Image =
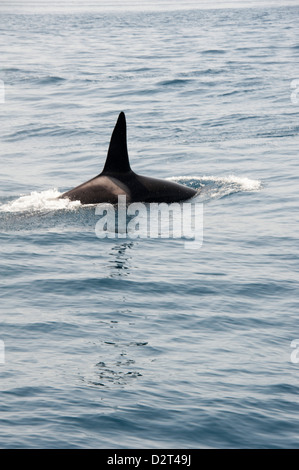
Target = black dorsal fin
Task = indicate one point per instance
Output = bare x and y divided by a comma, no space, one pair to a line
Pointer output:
117,160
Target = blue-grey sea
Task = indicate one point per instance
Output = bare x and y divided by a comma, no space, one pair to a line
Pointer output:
142,343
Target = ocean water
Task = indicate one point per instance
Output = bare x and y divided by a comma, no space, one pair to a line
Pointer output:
142,343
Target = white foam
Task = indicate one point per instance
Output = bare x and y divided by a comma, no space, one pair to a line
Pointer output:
40,202
243,183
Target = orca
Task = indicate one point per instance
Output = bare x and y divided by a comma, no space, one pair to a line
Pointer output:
118,179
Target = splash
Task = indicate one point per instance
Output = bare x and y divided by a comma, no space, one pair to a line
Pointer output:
215,187
236,182
43,201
